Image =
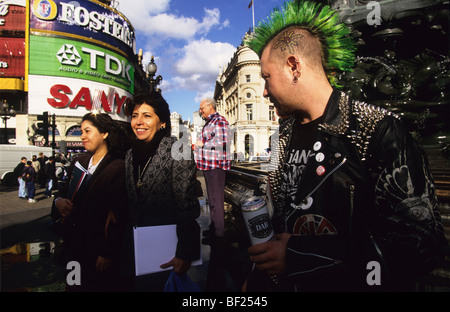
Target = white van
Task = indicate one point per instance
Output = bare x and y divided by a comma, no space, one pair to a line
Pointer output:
10,156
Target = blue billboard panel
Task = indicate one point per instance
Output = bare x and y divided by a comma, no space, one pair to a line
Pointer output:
85,20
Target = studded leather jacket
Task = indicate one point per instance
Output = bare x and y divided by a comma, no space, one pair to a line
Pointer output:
368,216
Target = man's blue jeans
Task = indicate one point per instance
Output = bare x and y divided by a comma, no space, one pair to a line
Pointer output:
22,188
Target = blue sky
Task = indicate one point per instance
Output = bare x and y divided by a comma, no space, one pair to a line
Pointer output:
191,40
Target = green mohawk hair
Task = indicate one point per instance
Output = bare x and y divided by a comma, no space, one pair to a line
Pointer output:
322,21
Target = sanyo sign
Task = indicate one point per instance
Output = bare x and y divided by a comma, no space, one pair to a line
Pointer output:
74,97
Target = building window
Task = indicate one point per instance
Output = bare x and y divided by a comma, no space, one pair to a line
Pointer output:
271,113
247,77
74,131
50,131
249,145
249,95
249,112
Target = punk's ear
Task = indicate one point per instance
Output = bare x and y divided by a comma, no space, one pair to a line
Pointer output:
295,68
294,63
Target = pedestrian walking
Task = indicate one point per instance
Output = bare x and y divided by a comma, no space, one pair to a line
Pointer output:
29,177
50,176
37,167
42,179
18,173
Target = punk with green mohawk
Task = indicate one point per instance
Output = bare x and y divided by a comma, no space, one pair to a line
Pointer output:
322,21
348,185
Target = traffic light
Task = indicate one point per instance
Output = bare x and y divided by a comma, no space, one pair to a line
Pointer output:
42,127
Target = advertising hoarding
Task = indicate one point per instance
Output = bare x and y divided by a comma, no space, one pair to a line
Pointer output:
12,57
12,15
51,56
79,58
75,97
86,20
12,38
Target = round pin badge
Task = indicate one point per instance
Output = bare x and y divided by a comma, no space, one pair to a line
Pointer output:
320,170
320,157
317,146
306,204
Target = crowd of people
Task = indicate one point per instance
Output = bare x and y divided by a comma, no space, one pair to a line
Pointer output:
40,172
364,193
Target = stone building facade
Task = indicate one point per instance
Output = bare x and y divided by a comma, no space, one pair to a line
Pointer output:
239,94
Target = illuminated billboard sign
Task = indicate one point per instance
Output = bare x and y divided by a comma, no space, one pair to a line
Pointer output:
86,20
12,15
12,57
51,56
75,97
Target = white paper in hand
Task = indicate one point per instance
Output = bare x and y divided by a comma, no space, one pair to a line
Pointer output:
153,246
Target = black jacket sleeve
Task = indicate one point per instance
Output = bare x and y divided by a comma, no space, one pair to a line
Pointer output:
188,230
406,226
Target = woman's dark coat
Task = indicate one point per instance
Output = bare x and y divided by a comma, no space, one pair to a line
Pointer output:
87,233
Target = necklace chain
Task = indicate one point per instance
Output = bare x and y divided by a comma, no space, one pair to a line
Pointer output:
140,174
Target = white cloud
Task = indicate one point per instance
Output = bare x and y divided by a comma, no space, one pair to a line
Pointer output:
211,19
199,66
169,25
139,11
190,62
181,27
225,24
204,94
152,18
204,56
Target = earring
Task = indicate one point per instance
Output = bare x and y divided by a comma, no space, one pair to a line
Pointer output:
297,75
162,128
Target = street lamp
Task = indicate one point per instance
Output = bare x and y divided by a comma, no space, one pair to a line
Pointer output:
151,70
7,112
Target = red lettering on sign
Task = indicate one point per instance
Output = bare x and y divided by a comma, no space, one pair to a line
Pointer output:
59,92
83,98
120,101
105,103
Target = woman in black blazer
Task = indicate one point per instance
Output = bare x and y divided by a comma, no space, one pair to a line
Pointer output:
92,221
161,185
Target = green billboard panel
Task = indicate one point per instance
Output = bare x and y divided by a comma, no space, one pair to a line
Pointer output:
50,56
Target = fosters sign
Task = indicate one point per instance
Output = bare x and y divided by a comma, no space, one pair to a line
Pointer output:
89,19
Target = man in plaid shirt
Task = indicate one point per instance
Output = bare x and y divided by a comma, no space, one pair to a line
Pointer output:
213,158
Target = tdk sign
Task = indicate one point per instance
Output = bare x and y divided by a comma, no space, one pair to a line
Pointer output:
69,55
